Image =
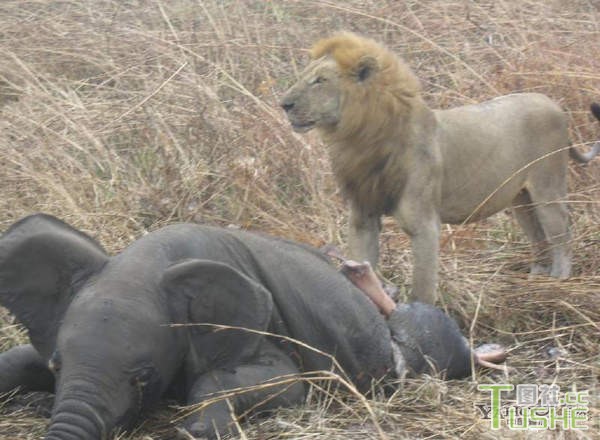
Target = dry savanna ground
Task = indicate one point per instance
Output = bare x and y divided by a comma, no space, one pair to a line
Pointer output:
121,116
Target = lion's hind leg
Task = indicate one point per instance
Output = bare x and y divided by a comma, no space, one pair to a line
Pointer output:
548,197
524,212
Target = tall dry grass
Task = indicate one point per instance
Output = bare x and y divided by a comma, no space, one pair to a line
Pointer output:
120,116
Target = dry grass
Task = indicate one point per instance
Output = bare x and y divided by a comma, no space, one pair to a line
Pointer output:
122,116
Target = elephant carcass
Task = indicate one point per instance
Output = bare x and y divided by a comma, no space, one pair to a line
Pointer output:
102,325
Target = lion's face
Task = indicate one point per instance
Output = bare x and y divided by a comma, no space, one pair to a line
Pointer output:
315,100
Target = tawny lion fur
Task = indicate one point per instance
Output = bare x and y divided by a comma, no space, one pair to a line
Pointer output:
392,155
369,175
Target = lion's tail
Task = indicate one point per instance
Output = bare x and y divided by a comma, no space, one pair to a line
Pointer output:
586,157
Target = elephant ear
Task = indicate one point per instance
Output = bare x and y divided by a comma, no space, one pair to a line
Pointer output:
43,261
209,292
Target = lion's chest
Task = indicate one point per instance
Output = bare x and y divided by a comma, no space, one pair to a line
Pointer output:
369,183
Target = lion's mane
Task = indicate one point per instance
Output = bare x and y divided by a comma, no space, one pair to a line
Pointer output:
379,93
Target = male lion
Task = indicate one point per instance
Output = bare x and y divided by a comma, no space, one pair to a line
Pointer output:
393,155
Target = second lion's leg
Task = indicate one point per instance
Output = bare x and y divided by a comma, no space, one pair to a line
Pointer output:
526,216
555,221
418,215
363,236
421,222
548,196
425,253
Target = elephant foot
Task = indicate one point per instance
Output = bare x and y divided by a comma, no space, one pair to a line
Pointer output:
363,276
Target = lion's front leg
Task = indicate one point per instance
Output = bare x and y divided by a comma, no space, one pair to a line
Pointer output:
363,236
419,218
425,253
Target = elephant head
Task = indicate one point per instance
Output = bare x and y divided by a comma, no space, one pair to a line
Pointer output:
43,262
102,323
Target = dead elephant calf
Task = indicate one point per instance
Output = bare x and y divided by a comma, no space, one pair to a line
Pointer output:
100,333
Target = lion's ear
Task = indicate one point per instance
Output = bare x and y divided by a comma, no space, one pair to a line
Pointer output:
365,67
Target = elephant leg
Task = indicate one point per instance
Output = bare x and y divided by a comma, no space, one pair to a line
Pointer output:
22,366
269,365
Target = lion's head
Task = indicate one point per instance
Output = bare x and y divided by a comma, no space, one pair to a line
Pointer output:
353,85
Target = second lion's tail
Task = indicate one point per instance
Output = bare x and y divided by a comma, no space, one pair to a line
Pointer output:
586,157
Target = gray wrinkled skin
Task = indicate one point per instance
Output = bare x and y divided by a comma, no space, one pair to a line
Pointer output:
427,340
100,334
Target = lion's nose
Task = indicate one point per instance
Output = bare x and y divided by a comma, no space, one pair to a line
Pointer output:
287,105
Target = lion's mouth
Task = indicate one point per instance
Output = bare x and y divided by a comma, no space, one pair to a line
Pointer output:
302,127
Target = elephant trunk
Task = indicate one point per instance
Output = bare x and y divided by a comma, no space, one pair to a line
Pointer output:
74,419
